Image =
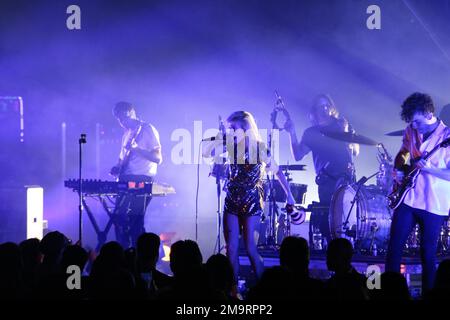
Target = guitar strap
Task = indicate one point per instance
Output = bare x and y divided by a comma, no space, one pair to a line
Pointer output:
126,159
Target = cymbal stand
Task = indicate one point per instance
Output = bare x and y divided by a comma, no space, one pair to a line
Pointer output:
272,215
273,207
356,199
287,220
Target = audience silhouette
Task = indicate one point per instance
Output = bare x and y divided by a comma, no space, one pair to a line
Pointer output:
441,289
41,270
346,283
294,256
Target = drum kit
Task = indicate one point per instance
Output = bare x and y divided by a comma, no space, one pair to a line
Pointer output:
276,223
357,211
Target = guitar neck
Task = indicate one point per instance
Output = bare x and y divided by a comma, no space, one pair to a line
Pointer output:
427,156
126,157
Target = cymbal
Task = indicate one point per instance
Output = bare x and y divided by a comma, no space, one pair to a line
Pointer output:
350,137
398,133
292,167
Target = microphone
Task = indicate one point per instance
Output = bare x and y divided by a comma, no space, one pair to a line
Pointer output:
221,126
362,180
82,138
219,137
221,133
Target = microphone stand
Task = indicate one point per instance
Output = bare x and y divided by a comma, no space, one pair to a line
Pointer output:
271,231
81,141
219,214
219,170
354,201
273,208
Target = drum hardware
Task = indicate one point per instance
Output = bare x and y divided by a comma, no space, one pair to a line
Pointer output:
317,242
413,243
384,176
277,219
274,192
383,154
374,229
272,215
298,191
398,133
444,239
356,200
351,233
368,223
271,236
349,137
318,233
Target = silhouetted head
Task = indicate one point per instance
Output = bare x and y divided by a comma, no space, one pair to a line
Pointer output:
220,272
74,255
393,287
443,275
31,253
53,245
109,278
148,248
294,254
112,255
339,255
185,255
275,284
10,257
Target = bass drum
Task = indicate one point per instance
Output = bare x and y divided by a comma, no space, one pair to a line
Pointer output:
369,220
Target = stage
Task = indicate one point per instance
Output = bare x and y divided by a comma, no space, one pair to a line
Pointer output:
411,267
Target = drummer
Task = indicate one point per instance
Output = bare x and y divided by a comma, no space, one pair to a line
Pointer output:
333,159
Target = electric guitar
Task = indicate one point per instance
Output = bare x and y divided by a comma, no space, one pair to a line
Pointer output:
126,157
396,197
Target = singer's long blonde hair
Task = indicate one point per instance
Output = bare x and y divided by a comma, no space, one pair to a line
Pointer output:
246,122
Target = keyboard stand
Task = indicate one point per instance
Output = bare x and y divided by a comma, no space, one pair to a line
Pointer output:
102,235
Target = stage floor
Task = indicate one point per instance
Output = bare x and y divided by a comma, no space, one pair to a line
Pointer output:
411,267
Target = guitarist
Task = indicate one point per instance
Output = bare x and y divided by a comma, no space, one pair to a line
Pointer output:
139,158
428,203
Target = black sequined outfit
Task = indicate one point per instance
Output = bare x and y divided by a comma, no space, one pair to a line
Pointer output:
245,192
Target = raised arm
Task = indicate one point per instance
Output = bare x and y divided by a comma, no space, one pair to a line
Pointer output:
299,149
